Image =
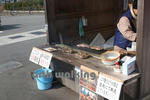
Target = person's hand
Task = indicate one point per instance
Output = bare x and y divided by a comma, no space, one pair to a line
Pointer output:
123,52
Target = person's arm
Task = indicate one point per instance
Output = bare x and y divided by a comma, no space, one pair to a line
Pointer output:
126,29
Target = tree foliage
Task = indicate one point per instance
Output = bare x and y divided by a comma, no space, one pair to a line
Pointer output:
25,5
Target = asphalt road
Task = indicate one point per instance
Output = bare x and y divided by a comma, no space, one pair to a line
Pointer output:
15,45
19,24
16,41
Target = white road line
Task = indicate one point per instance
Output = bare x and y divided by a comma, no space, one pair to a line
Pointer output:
5,40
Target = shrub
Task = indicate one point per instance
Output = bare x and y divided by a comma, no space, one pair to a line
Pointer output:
25,5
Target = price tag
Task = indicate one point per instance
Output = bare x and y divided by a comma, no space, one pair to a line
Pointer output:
45,59
108,87
35,55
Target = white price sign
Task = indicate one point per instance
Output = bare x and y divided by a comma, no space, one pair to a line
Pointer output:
108,87
40,57
45,59
35,55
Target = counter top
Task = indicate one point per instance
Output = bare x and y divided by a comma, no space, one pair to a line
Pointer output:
92,63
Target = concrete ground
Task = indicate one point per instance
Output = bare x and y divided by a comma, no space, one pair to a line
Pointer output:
16,83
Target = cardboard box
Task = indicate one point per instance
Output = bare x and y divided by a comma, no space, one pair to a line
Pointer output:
128,66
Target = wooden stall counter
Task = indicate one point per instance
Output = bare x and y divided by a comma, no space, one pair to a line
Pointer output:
92,62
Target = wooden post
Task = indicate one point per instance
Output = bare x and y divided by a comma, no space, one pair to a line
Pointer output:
46,23
52,34
143,47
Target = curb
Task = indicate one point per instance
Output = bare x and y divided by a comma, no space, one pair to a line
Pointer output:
9,13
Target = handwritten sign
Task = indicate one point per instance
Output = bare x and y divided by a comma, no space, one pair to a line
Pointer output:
45,59
40,57
35,55
108,87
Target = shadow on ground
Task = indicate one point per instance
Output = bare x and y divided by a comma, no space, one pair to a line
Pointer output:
10,27
56,85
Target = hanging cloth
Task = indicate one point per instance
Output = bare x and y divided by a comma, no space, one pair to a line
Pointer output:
81,28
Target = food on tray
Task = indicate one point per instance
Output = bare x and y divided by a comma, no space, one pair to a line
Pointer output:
83,45
96,48
67,50
91,47
83,55
50,49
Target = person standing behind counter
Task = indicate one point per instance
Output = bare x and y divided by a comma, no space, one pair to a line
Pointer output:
126,30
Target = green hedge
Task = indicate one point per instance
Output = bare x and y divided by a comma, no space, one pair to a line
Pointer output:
26,5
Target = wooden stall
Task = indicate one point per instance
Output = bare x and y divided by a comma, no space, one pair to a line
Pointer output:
63,18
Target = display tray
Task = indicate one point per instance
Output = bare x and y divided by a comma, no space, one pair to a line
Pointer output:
91,62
